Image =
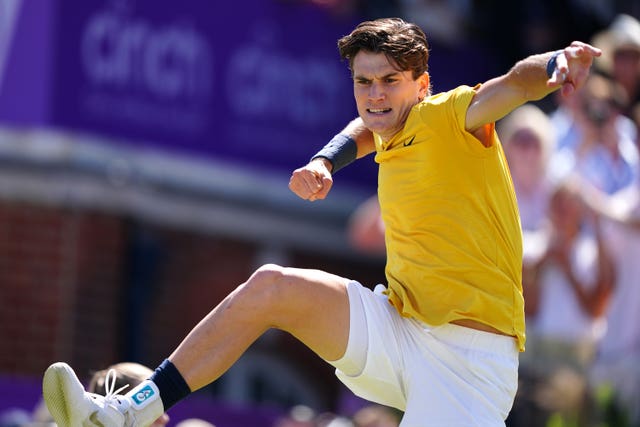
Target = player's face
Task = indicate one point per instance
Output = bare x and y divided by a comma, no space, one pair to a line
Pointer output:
384,96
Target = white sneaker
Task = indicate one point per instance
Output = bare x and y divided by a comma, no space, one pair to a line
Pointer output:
71,406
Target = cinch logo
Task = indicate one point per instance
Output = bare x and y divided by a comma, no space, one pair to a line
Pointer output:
254,70
127,52
141,396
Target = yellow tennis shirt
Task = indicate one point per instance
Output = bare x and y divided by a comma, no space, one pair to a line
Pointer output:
453,236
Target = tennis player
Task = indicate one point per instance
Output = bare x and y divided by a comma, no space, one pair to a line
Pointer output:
440,341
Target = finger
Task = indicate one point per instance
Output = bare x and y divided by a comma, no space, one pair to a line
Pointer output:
296,183
321,192
327,183
313,180
311,189
586,48
557,78
568,89
573,52
294,186
318,186
562,63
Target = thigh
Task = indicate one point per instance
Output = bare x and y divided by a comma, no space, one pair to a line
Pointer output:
372,368
313,306
310,304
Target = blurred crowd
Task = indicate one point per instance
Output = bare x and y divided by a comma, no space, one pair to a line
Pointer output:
576,176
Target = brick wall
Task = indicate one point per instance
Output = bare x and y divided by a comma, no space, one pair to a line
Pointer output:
66,285
60,278
93,289
196,274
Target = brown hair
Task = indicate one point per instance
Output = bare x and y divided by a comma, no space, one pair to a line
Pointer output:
127,373
404,44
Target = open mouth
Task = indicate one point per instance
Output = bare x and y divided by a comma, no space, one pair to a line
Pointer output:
378,110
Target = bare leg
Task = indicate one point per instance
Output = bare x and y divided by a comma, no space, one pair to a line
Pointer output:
310,304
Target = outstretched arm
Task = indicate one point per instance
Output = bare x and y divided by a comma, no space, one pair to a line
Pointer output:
314,180
594,299
605,206
531,79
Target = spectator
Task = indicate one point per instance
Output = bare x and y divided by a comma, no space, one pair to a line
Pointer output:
366,229
574,283
376,416
567,302
40,417
620,44
598,144
14,417
194,422
448,21
528,140
635,116
298,416
619,351
124,375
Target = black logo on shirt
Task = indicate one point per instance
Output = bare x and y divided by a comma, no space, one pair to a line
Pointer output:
408,143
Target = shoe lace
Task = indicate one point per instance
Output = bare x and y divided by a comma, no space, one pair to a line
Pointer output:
110,384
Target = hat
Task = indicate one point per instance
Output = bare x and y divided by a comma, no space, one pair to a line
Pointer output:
622,34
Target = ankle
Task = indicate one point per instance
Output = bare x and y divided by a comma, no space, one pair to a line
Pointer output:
170,384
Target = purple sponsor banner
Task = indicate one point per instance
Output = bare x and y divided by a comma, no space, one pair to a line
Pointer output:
26,30
256,82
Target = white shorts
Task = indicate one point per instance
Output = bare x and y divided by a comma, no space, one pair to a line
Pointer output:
448,376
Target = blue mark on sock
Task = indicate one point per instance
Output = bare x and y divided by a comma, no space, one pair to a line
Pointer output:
143,395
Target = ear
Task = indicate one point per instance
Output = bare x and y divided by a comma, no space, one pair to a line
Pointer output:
425,85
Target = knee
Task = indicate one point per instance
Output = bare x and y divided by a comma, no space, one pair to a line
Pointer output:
267,273
264,282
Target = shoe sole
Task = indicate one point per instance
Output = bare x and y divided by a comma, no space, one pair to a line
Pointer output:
64,395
